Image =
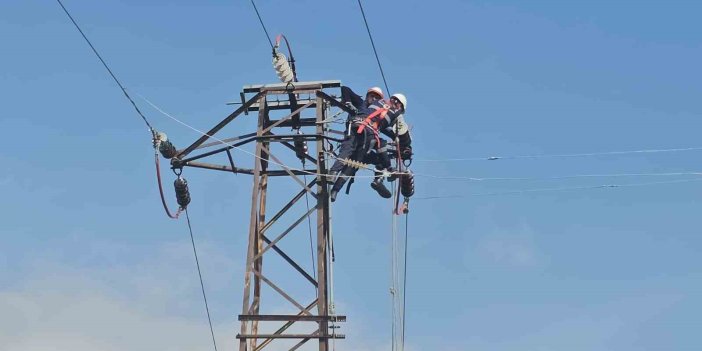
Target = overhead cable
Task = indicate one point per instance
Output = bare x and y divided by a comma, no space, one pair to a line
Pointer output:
151,129
262,25
467,178
513,192
199,273
608,153
612,175
387,89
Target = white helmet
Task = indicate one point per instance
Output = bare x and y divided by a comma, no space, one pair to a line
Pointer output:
376,90
402,99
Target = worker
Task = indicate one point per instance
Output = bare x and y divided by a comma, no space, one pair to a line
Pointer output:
396,129
355,145
373,115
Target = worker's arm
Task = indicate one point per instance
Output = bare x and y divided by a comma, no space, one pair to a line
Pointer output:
405,145
389,132
347,95
390,121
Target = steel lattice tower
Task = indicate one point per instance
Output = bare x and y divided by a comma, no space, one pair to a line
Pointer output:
261,243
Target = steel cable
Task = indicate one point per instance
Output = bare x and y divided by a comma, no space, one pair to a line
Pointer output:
262,25
151,129
387,89
199,273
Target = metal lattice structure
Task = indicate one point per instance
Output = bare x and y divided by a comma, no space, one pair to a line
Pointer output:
262,243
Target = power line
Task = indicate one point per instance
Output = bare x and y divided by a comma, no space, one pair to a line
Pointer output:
262,25
514,192
612,175
607,153
432,176
373,44
199,273
153,132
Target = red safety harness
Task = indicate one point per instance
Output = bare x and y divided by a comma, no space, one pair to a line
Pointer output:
372,121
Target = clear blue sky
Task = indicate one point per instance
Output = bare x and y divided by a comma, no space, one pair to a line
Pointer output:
88,260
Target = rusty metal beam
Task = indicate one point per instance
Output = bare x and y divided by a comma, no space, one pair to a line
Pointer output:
292,174
290,261
323,84
287,317
281,292
268,137
219,126
284,233
218,167
288,117
290,336
224,141
286,326
322,230
253,226
286,207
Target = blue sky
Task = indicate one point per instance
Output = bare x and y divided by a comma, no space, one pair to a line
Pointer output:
89,261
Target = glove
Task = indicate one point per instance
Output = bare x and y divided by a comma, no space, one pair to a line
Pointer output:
351,106
406,153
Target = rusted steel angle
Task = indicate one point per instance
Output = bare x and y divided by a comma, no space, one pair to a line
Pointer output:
281,292
286,326
219,126
284,233
288,317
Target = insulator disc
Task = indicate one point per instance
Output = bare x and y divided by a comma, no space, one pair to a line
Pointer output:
167,149
182,192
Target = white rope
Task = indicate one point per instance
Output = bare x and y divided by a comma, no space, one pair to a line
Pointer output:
241,149
608,153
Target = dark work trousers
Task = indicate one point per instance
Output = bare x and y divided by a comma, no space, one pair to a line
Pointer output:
356,148
378,157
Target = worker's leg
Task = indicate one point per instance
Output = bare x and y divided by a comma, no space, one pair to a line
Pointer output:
345,152
379,158
361,146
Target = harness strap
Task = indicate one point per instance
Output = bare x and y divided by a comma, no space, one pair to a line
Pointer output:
370,120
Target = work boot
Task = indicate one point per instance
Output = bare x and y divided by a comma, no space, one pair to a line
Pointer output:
332,195
379,187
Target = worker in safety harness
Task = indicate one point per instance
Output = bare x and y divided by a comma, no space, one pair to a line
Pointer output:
396,129
370,116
